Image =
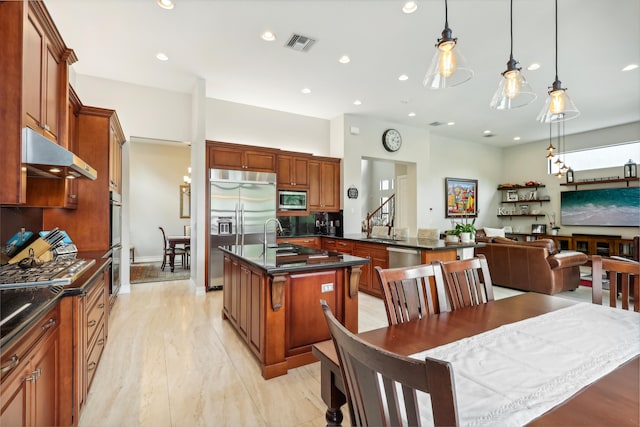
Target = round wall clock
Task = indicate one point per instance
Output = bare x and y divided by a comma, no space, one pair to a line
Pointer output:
391,140
352,192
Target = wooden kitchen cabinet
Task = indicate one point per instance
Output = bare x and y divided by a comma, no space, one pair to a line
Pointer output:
241,301
293,171
29,391
33,87
84,336
99,131
310,242
221,155
338,245
378,256
324,185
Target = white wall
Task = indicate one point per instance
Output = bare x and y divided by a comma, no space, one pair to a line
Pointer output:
245,124
434,158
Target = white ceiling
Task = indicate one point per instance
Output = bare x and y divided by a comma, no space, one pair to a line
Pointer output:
219,41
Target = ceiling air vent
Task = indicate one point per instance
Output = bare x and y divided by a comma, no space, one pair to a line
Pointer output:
300,43
436,124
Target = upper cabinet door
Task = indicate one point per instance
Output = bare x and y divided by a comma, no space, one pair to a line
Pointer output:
293,172
240,157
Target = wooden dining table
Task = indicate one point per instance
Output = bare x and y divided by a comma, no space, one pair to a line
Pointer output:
612,400
173,241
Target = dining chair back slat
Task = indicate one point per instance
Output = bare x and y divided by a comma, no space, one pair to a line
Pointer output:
374,378
412,292
468,282
623,279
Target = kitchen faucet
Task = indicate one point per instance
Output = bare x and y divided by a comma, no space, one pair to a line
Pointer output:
265,232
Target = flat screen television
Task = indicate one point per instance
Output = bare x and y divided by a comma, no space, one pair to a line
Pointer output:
609,207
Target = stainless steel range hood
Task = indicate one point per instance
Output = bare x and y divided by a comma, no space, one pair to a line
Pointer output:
44,158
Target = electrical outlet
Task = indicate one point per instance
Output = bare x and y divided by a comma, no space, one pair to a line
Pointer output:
327,287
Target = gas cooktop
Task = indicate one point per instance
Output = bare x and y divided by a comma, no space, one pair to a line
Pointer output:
57,272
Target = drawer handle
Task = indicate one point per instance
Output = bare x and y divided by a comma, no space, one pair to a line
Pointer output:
101,305
92,323
49,324
91,366
9,366
100,341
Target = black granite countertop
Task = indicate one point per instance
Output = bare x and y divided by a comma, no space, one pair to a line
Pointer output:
289,258
37,301
411,242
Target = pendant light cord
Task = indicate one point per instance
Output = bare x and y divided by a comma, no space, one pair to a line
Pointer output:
446,14
511,28
556,40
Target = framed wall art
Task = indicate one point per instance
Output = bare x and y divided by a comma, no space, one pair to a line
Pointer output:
461,197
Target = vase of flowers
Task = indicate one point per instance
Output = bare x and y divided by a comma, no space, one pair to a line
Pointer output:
552,222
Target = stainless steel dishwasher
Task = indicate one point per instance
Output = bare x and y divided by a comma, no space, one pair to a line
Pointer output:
403,257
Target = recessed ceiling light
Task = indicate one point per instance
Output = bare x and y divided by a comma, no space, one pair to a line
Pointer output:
306,90
533,67
630,67
344,59
162,57
55,170
268,36
516,138
486,132
409,6
403,77
451,123
165,4
357,102
412,114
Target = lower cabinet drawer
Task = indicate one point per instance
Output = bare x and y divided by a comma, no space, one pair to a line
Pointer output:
94,355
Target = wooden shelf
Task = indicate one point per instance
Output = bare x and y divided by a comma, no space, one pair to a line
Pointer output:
518,186
509,215
525,201
603,181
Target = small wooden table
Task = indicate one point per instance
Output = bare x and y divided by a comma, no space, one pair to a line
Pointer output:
173,241
612,400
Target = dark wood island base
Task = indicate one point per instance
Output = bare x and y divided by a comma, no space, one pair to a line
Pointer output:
275,306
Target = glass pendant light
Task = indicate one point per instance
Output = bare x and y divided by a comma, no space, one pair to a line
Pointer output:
558,106
448,67
513,89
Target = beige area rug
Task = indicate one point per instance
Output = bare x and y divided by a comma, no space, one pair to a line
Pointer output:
151,272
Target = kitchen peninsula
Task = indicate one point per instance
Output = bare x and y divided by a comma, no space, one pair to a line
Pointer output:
272,299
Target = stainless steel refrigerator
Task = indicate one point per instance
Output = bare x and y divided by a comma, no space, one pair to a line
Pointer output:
241,202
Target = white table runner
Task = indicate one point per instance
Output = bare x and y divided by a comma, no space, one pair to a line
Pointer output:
513,374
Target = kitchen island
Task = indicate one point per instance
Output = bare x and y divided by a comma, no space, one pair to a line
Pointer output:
272,299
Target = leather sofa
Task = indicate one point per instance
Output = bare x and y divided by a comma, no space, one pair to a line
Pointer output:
532,266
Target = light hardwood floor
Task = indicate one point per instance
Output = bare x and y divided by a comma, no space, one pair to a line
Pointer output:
171,360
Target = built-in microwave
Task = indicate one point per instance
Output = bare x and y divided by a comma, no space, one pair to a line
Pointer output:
289,200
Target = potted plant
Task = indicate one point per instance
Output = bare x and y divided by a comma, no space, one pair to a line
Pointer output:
451,236
466,230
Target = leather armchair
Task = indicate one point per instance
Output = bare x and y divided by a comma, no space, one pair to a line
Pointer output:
532,266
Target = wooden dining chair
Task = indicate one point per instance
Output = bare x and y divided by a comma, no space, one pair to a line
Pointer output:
167,251
373,378
623,280
412,292
468,282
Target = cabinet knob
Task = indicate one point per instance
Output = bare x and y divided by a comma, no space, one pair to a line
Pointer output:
91,366
12,364
92,323
49,324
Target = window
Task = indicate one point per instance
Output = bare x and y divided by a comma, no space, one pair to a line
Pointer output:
599,158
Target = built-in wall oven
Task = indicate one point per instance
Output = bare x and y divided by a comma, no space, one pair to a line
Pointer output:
115,235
